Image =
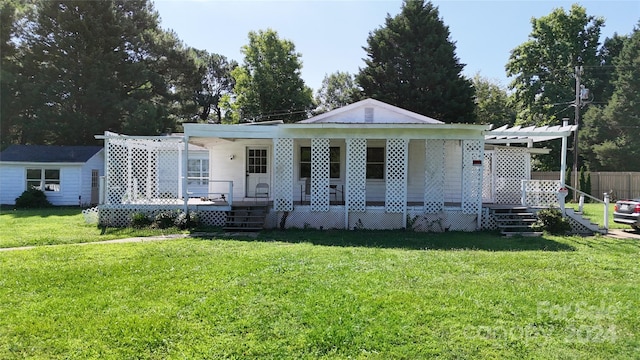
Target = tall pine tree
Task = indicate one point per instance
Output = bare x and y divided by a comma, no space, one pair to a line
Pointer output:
411,63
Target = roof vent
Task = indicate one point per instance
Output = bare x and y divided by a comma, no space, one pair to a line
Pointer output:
368,115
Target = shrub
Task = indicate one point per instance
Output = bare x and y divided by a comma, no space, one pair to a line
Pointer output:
187,220
164,219
32,198
552,221
140,220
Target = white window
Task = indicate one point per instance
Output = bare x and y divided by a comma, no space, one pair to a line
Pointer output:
334,162
375,163
198,172
43,179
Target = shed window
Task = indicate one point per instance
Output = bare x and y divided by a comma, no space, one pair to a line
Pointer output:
43,179
334,162
375,163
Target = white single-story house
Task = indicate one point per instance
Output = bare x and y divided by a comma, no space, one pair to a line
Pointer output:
68,175
367,165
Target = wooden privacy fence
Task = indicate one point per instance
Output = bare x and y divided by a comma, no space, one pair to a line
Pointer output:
620,185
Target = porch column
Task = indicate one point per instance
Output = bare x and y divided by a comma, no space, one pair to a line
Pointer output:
283,174
356,178
472,156
563,156
320,174
396,175
434,176
183,173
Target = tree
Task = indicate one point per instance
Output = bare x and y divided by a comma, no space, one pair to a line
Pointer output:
268,84
543,70
616,143
87,67
543,67
337,90
13,15
411,63
492,103
216,82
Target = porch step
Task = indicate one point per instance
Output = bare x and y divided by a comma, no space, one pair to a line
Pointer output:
246,217
515,220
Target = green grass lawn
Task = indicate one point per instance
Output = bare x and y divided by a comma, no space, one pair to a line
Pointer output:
58,225
325,294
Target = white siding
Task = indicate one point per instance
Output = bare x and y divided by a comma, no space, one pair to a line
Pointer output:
222,167
415,189
12,183
453,172
96,162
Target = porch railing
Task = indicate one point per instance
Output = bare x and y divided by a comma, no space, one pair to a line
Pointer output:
604,202
541,193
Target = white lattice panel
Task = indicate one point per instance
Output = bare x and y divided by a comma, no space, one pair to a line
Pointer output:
320,174
396,175
142,171
434,176
447,220
512,166
303,217
472,176
356,174
487,177
541,193
375,220
283,176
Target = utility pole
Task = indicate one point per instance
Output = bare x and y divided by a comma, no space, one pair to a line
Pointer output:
575,134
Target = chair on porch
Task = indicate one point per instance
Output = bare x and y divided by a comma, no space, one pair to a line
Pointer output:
305,191
262,191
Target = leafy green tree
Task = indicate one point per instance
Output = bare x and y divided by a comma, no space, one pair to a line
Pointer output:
613,133
492,103
543,67
87,67
337,90
216,81
411,63
268,84
543,70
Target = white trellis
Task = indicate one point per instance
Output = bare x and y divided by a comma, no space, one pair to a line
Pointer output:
472,156
356,174
320,174
434,176
283,187
396,175
512,166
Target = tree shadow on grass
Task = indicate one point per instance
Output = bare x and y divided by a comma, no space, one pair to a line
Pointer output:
398,239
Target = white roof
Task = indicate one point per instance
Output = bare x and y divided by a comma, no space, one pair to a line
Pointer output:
518,134
370,111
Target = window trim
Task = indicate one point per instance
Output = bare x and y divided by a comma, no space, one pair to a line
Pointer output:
338,162
45,184
202,177
382,163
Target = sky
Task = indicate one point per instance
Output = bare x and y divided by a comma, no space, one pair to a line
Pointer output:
330,34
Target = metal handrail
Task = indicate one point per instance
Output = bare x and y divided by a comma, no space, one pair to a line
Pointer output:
605,203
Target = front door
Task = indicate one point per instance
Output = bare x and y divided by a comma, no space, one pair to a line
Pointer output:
95,181
257,168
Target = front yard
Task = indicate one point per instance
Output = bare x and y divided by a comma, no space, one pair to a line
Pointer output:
333,294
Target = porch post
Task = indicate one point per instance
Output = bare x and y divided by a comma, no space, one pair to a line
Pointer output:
183,172
563,155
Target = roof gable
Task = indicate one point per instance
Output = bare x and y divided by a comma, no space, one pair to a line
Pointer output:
370,111
49,153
